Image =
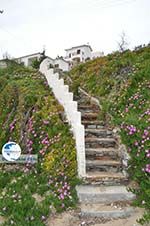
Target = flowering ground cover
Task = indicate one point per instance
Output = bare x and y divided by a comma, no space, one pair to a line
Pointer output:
30,116
121,82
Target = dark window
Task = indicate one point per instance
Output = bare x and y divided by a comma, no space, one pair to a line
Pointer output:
78,51
56,65
51,66
22,63
88,58
70,55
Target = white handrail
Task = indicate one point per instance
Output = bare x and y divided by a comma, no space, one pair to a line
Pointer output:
65,98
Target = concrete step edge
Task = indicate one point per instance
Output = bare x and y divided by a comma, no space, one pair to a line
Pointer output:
103,163
100,150
94,139
104,212
105,176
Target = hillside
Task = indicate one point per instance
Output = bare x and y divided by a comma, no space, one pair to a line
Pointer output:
30,116
121,83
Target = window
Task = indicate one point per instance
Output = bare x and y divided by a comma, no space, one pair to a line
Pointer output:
51,66
69,55
56,65
78,51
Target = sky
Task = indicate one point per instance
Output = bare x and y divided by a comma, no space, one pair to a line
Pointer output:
28,26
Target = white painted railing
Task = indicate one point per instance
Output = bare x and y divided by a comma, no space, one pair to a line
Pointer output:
65,98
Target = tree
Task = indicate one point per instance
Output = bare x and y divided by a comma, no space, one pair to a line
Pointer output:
36,63
123,43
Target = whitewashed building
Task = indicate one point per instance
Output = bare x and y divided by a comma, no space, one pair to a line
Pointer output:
28,59
78,54
58,63
61,63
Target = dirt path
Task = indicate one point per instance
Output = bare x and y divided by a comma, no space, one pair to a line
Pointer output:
72,218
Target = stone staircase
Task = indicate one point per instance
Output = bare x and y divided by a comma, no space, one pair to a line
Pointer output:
104,192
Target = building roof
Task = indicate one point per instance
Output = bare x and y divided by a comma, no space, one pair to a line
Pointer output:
33,54
75,47
61,58
2,60
49,58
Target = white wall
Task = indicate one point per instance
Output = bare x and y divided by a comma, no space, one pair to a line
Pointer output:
85,52
63,65
65,98
25,59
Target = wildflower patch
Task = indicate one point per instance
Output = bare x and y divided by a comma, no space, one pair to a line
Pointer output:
30,116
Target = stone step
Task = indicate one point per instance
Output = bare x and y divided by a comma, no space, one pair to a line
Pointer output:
96,124
98,133
106,211
105,178
94,142
99,153
103,194
103,166
83,101
89,116
88,108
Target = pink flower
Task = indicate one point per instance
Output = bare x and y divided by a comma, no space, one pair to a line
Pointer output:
61,196
136,143
46,122
147,169
148,153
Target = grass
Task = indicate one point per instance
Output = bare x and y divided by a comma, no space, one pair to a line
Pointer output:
121,82
30,116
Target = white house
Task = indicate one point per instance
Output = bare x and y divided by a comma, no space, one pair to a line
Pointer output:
58,63
62,64
78,54
28,59
74,55
81,54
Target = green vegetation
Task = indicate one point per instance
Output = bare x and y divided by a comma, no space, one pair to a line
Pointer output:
30,116
121,82
36,63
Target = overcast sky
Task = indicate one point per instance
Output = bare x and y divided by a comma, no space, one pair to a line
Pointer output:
28,25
